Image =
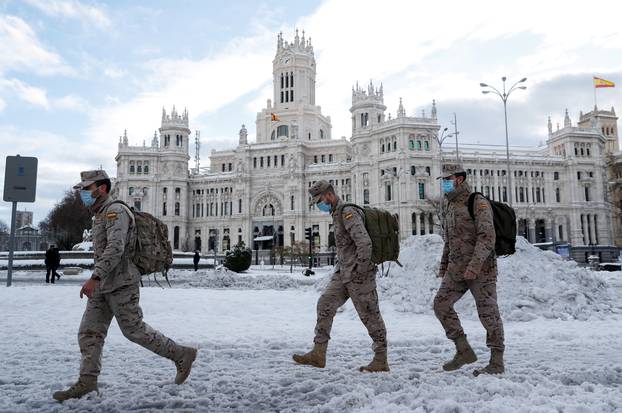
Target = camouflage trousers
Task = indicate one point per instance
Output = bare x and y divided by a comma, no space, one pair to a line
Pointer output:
485,294
123,305
365,300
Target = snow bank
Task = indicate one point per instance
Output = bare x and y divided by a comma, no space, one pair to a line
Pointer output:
223,278
531,283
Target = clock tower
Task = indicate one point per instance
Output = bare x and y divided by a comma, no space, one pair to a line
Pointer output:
293,71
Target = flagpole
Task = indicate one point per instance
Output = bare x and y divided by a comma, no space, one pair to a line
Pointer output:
595,101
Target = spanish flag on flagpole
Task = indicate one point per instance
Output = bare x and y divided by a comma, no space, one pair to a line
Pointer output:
598,82
274,117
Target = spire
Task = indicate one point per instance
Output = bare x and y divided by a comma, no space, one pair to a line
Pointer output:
550,127
154,141
125,137
613,110
567,122
163,114
400,110
302,40
433,109
297,39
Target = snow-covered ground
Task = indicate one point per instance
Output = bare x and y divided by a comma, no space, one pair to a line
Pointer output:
567,359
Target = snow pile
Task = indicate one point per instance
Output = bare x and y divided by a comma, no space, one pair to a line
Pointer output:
223,278
531,283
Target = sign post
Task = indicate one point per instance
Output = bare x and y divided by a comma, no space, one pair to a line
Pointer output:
20,185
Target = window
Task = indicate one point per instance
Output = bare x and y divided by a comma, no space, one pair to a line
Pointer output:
177,193
130,190
421,190
291,202
132,167
321,134
254,162
365,196
282,160
137,205
330,158
223,168
139,167
387,193
314,158
579,176
412,170
426,145
268,161
411,145
323,158
587,194
521,194
557,195
418,145
167,140
505,194
176,209
146,167
556,176
164,208
276,161
282,130
427,170
261,162
230,166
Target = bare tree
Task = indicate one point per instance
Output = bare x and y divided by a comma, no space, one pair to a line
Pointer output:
67,220
439,206
4,228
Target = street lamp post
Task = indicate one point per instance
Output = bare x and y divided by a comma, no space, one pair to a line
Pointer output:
504,98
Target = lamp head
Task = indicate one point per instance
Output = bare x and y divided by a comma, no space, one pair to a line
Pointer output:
483,85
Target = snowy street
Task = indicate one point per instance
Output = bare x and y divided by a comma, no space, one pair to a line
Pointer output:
246,338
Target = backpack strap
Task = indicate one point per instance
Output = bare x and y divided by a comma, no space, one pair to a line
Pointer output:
341,207
471,203
126,207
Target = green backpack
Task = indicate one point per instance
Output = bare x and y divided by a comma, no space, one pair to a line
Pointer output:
152,252
383,228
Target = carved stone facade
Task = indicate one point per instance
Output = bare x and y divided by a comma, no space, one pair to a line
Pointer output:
257,192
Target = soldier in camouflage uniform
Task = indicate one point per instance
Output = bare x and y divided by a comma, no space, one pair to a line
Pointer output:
113,291
354,277
468,263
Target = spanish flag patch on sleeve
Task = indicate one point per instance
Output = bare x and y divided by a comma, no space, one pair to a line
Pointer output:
347,215
111,216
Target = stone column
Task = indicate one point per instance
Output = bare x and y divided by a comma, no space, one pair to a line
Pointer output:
549,230
584,229
593,228
532,230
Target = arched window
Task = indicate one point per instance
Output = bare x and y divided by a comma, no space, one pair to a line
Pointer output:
418,145
273,136
427,170
268,210
365,196
132,167
176,208
411,145
131,190
321,134
412,170
282,130
426,145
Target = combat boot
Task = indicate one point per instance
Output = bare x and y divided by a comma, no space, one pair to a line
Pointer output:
379,363
495,365
464,355
84,385
315,358
184,364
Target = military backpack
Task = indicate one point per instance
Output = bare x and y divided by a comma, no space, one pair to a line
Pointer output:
152,252
504,219
383,228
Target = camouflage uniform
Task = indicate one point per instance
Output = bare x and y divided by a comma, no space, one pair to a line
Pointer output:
469,246
354,277
118,292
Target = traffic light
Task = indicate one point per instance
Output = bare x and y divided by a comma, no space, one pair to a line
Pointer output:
309,234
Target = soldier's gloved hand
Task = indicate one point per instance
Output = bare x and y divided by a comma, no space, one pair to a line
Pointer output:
469,275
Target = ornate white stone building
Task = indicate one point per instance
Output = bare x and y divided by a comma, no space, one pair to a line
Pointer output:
257,191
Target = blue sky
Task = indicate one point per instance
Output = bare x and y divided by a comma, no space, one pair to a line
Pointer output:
74,74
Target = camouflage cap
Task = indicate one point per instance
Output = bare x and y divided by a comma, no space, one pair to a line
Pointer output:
450,168
88,177
318,189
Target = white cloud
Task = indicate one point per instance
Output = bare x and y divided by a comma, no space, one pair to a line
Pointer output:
72,102
114,73
72,9
21,50
30,94
2,105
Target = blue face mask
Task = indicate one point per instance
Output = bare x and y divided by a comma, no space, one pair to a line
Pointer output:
448,186
87,197
324,207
